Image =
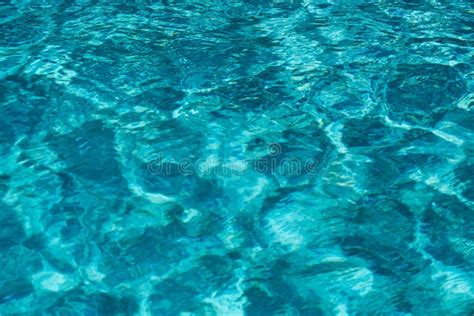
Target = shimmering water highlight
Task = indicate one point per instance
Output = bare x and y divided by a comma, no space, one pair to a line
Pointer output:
236,157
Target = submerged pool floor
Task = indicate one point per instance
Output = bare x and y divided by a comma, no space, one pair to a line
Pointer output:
236,157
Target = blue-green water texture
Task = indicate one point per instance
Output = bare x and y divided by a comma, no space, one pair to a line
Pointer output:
240,157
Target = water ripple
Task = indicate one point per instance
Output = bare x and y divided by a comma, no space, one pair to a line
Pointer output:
236,158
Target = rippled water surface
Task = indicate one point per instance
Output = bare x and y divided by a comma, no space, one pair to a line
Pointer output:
236,157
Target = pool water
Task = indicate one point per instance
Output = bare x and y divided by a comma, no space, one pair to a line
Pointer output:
236,157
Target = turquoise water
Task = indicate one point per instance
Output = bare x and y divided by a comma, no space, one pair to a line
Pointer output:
236,157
